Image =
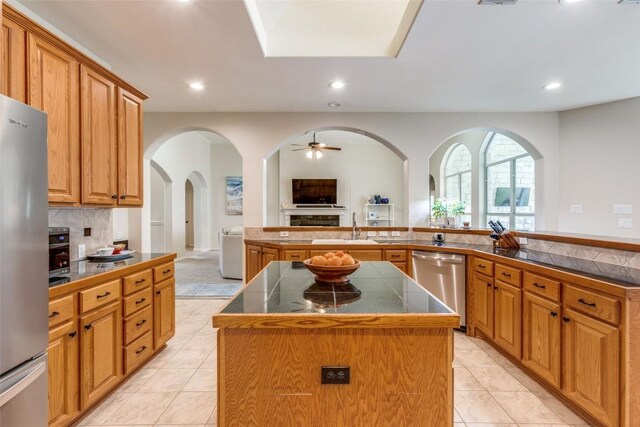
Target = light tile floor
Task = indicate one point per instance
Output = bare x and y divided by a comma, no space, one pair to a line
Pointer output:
178,386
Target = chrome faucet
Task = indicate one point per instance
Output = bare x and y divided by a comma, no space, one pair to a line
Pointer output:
355,233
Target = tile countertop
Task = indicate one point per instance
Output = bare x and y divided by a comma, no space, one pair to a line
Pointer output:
615,274
86,269
376,290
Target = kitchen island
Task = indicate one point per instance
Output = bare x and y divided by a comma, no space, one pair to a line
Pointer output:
275,337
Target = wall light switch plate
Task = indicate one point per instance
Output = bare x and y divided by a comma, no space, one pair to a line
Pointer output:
575,209
82,266
284,234
395,234
625,223
383,233
623,209
371,234
81,252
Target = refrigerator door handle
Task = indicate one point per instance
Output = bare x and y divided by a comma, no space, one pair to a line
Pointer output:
22,383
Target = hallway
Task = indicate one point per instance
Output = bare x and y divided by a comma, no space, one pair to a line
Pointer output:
198,276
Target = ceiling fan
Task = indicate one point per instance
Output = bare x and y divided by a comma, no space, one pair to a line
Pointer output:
315,148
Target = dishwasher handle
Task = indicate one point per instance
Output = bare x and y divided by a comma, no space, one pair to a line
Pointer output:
454,259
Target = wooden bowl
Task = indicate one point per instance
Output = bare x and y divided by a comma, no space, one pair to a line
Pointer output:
329,274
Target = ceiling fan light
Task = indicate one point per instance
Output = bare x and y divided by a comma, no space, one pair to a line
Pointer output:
318,154
310,154
322,144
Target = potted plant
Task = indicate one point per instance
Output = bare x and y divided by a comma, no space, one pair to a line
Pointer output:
456,210
439,211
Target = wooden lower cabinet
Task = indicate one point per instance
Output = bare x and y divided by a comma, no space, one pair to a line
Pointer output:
592,365
100,352
63,373
507,326
541,331
258,258
164,319
483,303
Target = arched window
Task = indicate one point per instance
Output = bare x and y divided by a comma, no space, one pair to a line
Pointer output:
457,177
509,183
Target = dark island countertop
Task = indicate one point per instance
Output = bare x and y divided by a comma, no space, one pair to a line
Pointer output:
87,272
623,276
285,294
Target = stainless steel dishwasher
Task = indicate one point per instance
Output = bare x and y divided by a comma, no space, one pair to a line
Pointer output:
444,276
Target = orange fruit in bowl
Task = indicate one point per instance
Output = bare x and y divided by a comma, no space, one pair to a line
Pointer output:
329,255
339,254
335,261
319,260
348,260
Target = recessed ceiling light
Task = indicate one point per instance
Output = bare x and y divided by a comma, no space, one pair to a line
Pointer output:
334,104
552,85
336,85
196,85
569,1
184,1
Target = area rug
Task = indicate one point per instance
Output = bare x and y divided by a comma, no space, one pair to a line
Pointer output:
206,290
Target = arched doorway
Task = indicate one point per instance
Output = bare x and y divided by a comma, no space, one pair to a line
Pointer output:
361,166
159,202
205,159
188,215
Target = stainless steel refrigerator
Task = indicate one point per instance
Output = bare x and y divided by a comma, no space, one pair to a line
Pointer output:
23,265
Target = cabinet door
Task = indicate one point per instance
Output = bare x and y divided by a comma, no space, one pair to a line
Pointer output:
101,352
483,303
541,335
591,365
164,319
63,373
507,331
254,261
268,255
129,149
53,88
99,143
13,82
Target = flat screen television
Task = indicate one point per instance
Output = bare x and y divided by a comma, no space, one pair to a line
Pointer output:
503,196
314,191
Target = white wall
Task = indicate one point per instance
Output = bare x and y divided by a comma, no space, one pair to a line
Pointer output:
416,135
179,157
225,161
363,168
600,167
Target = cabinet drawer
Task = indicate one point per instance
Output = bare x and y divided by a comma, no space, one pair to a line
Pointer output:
163,272
483,266
137,301
137,325
509,275
295,255
137,352
366,255
395,256
135,282
402,266
542,286
99,295
60,310
600,306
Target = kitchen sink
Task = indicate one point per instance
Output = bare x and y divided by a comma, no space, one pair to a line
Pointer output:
343,242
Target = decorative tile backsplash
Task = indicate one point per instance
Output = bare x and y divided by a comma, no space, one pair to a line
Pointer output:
613,257
99,220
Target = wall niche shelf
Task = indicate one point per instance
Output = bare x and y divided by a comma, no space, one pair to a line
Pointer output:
380,214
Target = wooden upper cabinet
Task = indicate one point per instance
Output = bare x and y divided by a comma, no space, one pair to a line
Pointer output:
99,139
592,365
130,148
53,88
13,82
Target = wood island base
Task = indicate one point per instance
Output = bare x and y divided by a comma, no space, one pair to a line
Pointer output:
398,377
